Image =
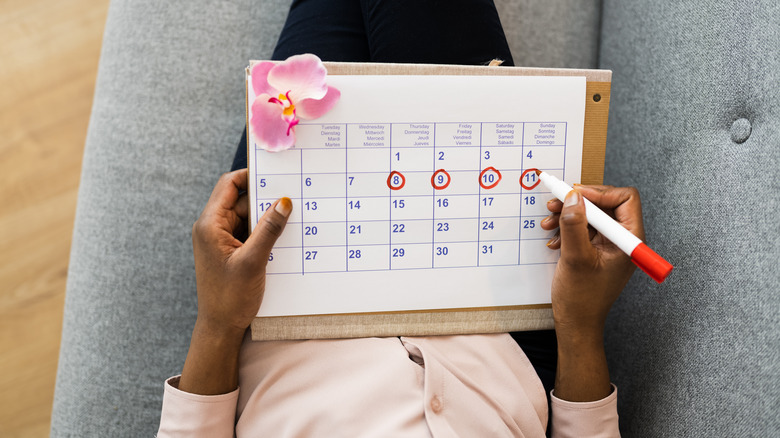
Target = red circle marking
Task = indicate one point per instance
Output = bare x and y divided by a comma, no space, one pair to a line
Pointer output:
486,170
522,177
433,179
390,179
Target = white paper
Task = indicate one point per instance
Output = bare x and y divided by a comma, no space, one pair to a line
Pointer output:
353,244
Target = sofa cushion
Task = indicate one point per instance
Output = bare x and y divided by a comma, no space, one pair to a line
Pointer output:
695,125
167,115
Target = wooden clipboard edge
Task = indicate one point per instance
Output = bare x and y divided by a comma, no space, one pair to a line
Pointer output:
378,68
451,321
248,72
414,323
594,139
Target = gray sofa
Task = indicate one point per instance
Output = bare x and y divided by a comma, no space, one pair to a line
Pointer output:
694,124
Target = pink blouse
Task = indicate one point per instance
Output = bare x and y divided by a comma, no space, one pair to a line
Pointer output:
476,385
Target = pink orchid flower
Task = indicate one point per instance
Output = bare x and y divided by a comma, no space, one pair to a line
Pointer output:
287,92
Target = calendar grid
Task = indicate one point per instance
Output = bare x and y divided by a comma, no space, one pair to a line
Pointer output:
418,220
563,177
520,222
428,196
433,206
346,196
390,209
415,243
479,189
303,248
385,187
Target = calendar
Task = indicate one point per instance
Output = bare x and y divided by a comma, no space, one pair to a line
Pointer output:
418,193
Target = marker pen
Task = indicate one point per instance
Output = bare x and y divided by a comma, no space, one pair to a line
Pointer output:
654,265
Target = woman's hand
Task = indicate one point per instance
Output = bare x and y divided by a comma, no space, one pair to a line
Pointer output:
589,277
592,271
231,275
230,279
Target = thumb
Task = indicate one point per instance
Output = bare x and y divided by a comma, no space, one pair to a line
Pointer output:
270,226
575,239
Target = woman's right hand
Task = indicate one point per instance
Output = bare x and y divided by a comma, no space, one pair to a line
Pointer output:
589,277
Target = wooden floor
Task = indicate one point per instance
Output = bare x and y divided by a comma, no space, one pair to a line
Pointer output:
49,54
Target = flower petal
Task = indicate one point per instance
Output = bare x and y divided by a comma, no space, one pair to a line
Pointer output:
260,79
313,108
268,126
302,75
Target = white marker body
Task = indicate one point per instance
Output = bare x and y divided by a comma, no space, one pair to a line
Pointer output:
611,229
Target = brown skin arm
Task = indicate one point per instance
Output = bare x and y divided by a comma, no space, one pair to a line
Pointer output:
588,279
230,278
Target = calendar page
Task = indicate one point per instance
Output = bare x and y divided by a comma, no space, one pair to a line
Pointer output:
418,193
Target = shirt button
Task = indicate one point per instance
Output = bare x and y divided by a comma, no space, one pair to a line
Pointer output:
436,404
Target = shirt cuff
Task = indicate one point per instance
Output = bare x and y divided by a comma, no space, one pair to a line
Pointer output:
193,415
585,419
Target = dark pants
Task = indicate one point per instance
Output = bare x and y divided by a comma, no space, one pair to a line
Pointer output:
466,32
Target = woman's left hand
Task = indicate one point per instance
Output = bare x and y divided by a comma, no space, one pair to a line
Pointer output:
230,274
230,278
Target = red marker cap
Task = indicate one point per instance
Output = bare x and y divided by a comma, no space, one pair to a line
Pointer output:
650,262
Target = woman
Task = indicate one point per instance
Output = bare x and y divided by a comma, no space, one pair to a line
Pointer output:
477,385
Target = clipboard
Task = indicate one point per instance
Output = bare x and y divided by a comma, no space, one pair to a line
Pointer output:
458,320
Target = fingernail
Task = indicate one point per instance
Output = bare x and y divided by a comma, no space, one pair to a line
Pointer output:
553,240
572,199
284,206
547,219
